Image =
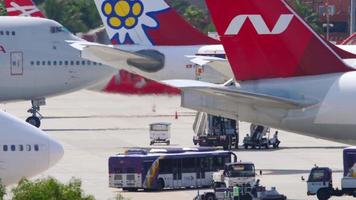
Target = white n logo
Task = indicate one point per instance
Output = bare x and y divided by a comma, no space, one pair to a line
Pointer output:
259,24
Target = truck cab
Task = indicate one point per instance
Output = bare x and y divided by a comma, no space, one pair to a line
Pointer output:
320,178
236,174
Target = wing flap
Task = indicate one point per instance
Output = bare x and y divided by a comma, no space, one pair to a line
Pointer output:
243,96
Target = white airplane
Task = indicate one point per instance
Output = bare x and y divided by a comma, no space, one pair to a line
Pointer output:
25,151
288,77
37,62
152,41
174,48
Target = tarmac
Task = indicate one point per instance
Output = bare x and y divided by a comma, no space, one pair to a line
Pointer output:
92,126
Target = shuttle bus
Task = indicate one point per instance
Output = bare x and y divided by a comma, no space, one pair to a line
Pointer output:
156,169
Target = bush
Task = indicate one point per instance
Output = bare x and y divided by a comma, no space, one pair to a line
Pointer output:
49,188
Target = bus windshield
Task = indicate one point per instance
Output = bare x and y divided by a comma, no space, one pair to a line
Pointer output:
159,127
240,170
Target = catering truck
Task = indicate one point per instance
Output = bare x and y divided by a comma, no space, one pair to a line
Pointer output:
320,178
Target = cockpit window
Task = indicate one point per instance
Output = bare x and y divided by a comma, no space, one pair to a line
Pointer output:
58,29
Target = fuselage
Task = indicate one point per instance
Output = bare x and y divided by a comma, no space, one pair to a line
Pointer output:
332,116
36,60
25,151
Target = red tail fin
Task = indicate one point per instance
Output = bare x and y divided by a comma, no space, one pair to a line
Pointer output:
22,8
267,39
147,22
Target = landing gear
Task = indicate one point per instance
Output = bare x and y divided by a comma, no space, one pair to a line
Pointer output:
36,117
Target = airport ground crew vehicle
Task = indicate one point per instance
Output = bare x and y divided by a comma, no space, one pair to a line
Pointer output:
237,173
320,178
160,133
241,192
259,137
216,131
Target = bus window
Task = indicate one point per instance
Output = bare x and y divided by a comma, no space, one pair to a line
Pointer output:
188,165
165,166
177,169
218,162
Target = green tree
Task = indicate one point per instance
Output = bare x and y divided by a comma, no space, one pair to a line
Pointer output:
2,8
2,191
77,16
308,14
49,188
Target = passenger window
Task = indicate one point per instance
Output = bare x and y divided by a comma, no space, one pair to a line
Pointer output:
88,63
28,147
49,63
32,63
60,62
13,33
4,147
13,147
20,147
65,62
78,62
94,63
72,62
43,63
1,32
36,147
54,63
7,32
38,62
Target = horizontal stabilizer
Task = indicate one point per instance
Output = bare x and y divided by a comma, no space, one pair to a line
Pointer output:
242,96
218,64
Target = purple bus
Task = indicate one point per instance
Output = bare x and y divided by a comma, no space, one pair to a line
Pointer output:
156,169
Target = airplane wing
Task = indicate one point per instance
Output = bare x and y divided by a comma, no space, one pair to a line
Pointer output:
218,64
117,58
242,96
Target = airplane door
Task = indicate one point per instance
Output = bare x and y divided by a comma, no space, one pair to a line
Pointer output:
16,63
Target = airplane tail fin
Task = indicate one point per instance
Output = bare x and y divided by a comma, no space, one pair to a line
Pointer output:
22,8
267,39
147,22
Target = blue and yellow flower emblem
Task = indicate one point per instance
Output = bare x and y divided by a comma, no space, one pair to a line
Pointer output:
122,13
128,20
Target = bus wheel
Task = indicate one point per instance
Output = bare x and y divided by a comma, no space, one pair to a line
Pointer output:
323,194
209,196
132,189
160,184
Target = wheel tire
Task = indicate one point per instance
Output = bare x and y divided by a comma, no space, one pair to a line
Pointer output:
168,142
160,184
266,146
323,194
151,143
246,197
209,196
132,189
246,146
34,121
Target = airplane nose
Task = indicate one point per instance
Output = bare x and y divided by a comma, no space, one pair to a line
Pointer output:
56,152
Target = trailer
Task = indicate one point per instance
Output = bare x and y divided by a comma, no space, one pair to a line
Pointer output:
218,131
320,178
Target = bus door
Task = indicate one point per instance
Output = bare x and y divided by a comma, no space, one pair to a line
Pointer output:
200,173
177,173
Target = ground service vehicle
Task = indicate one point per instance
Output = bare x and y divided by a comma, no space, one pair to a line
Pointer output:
160,133
320,178
219,131
156,169
255,192
259,138
236,173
